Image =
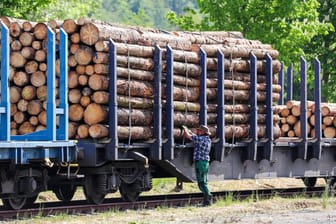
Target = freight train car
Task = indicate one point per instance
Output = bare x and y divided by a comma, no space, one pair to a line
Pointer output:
124,153
37,161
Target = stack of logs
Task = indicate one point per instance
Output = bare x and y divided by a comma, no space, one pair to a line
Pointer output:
290,119
88,64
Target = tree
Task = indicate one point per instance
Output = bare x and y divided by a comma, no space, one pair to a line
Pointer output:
145,13
42,10
323,47
22,8
289,25
64,9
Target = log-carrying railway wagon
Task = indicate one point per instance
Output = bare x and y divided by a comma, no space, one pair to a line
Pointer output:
48,160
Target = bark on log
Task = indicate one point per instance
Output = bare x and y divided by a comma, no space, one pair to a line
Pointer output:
146,64
134,102
135,117
238,51
243,65
133,88
135,133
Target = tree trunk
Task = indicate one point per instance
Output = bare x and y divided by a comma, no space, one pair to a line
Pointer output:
69,26
329,132
100,97
98,131
26,39
99,82
84,55
238,51
20,78
34,107
74,96
40,31
83,131
26,128
28,92
38,79
76,112
17,60
135,133
135,117
95,113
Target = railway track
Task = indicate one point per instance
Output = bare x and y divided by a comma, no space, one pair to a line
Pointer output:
149,202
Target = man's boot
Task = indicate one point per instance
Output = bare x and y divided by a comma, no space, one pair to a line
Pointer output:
207,200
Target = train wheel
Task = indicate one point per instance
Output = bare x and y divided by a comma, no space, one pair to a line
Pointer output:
129,192
14,203
92,189
332,186
309,181
32,200
65,193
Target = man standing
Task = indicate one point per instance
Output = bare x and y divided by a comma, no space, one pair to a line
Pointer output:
201,157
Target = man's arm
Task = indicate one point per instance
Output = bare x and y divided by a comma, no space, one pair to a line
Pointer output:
187,133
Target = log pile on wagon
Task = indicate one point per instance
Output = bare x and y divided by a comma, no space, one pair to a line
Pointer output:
290,119
88,63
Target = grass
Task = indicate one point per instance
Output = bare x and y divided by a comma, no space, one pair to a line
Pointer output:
167,185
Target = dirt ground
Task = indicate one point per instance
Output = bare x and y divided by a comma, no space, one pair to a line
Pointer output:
273,211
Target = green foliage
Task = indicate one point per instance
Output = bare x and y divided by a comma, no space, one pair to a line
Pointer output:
22,8
64,9
43,10
291,26
323,47
145,13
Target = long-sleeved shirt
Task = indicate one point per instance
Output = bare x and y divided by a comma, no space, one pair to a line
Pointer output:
202,147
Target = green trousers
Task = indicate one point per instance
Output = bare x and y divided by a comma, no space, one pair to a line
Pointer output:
202,168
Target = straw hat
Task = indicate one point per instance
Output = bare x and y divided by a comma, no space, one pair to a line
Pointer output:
205,129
